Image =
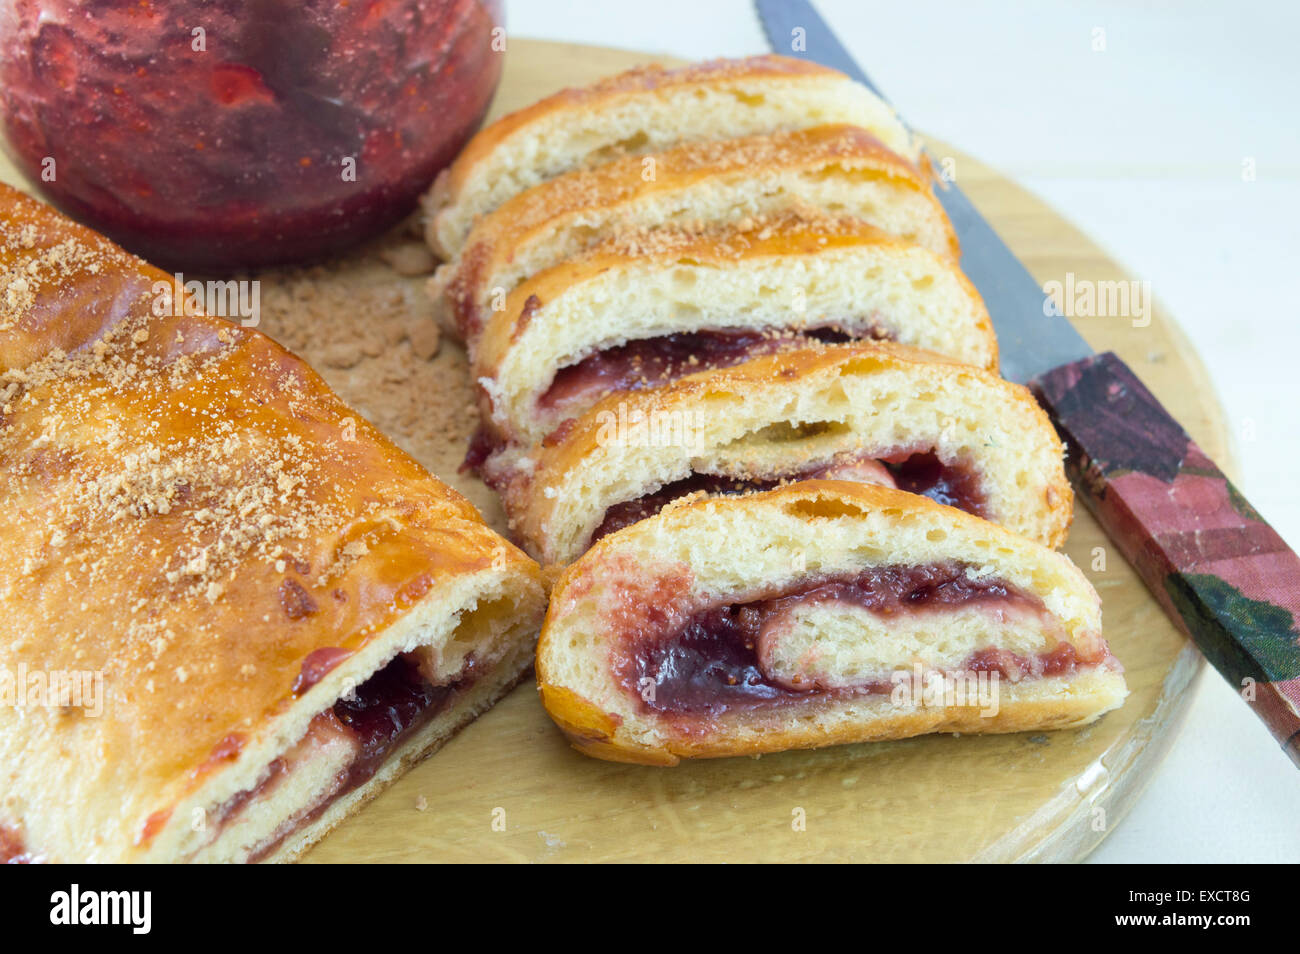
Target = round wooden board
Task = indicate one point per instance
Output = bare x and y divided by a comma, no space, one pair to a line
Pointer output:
509,788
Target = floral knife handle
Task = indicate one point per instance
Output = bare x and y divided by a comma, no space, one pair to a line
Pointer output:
1218,569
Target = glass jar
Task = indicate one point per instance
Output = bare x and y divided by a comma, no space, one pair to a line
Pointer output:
220,134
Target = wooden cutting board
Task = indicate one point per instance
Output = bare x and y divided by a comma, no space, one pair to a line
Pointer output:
509,788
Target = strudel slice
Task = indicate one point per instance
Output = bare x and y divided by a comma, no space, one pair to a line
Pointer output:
818,613
646,110
879,414
647,308
838,170
234,611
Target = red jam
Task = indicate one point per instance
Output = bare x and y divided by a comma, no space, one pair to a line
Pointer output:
625,514
12,849
482,445
650,362
385,711
918,473
948,484
710,663
223,134
318,664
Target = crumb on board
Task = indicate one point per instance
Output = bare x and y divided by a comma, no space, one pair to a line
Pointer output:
369,331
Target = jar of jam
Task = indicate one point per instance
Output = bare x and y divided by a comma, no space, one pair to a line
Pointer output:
221,134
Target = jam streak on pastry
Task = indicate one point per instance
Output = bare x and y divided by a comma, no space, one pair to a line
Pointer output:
918,472
650,362
713,659
318,664
12,849
373,721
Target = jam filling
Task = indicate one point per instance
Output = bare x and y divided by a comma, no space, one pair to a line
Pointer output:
382,713
386,710
919,473
625,514
482,445
711,664
12,849
948,484
650,362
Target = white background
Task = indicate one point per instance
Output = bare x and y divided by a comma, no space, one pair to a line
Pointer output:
1142,146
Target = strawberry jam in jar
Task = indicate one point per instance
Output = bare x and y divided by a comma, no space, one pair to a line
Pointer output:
222,134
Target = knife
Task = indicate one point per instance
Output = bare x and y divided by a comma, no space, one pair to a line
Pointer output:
1219,571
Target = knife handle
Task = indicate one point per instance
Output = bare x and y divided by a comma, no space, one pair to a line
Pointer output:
1218,569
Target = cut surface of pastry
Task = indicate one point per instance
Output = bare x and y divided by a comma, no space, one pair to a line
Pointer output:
646,110
841,171
878,414
818,613
257,609
645,309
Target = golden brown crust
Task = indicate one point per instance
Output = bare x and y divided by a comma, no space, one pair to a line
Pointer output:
637,81
531,510
190,510
494,239
1055,704
591,730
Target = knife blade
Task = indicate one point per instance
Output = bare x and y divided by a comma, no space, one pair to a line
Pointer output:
1216,567
1033,336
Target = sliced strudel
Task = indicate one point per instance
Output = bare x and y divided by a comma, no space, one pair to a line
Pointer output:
646,110
648,307
879,414
841,170
234,611
818,613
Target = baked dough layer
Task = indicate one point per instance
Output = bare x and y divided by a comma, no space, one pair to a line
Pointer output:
837,170
192,514
786,414
784,275
640,111
652,577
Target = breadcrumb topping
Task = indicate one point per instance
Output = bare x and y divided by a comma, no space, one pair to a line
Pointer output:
820,148
149,453
228,491
30,273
